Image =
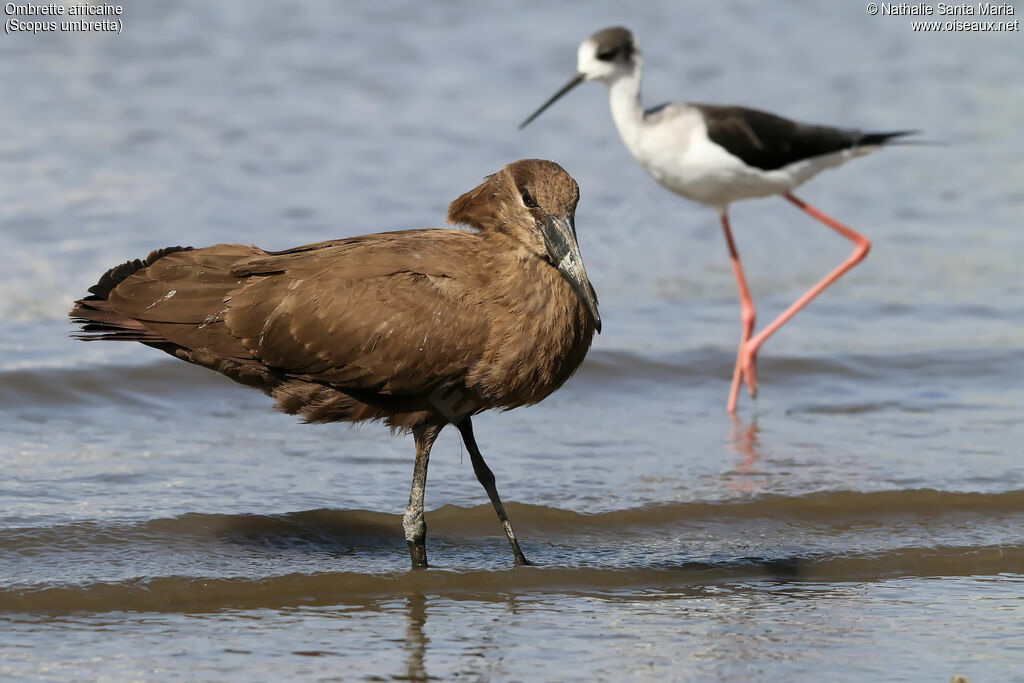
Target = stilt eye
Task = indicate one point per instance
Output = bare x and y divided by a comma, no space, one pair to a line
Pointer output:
623,52
528,200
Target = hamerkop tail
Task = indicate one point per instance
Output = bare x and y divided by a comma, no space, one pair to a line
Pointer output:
418,328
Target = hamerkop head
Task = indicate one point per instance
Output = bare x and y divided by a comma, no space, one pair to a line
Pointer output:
532,202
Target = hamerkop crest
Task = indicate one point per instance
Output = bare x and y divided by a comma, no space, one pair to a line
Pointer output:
418,328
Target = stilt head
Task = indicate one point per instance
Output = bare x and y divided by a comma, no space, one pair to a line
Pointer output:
606,56
532,202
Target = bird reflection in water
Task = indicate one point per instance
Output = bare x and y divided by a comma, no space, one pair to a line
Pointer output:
744,441
416,640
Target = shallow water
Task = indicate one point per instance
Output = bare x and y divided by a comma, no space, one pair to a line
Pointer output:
861,519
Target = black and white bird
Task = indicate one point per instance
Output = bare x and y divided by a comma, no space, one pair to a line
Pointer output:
717,155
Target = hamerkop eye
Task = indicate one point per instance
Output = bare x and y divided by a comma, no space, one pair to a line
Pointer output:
528,200
427,332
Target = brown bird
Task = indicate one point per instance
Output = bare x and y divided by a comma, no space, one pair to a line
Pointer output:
418,328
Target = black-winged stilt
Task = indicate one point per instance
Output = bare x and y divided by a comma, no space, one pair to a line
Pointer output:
717,155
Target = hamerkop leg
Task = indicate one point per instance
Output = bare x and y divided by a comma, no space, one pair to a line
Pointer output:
486,477
413,523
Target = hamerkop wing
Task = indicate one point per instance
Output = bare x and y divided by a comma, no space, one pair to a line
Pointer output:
358,314
419,328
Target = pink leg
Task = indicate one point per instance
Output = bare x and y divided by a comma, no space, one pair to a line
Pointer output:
749,353
749,316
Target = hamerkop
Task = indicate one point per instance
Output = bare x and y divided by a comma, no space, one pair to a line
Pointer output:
418,328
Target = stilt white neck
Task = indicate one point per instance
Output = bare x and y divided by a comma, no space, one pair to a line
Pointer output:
628,113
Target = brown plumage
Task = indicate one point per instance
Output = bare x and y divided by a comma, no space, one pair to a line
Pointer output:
419,328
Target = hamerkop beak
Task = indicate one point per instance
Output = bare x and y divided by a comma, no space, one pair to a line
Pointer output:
576,80
564,250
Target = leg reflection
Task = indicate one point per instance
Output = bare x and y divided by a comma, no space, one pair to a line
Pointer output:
415,640
744,441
